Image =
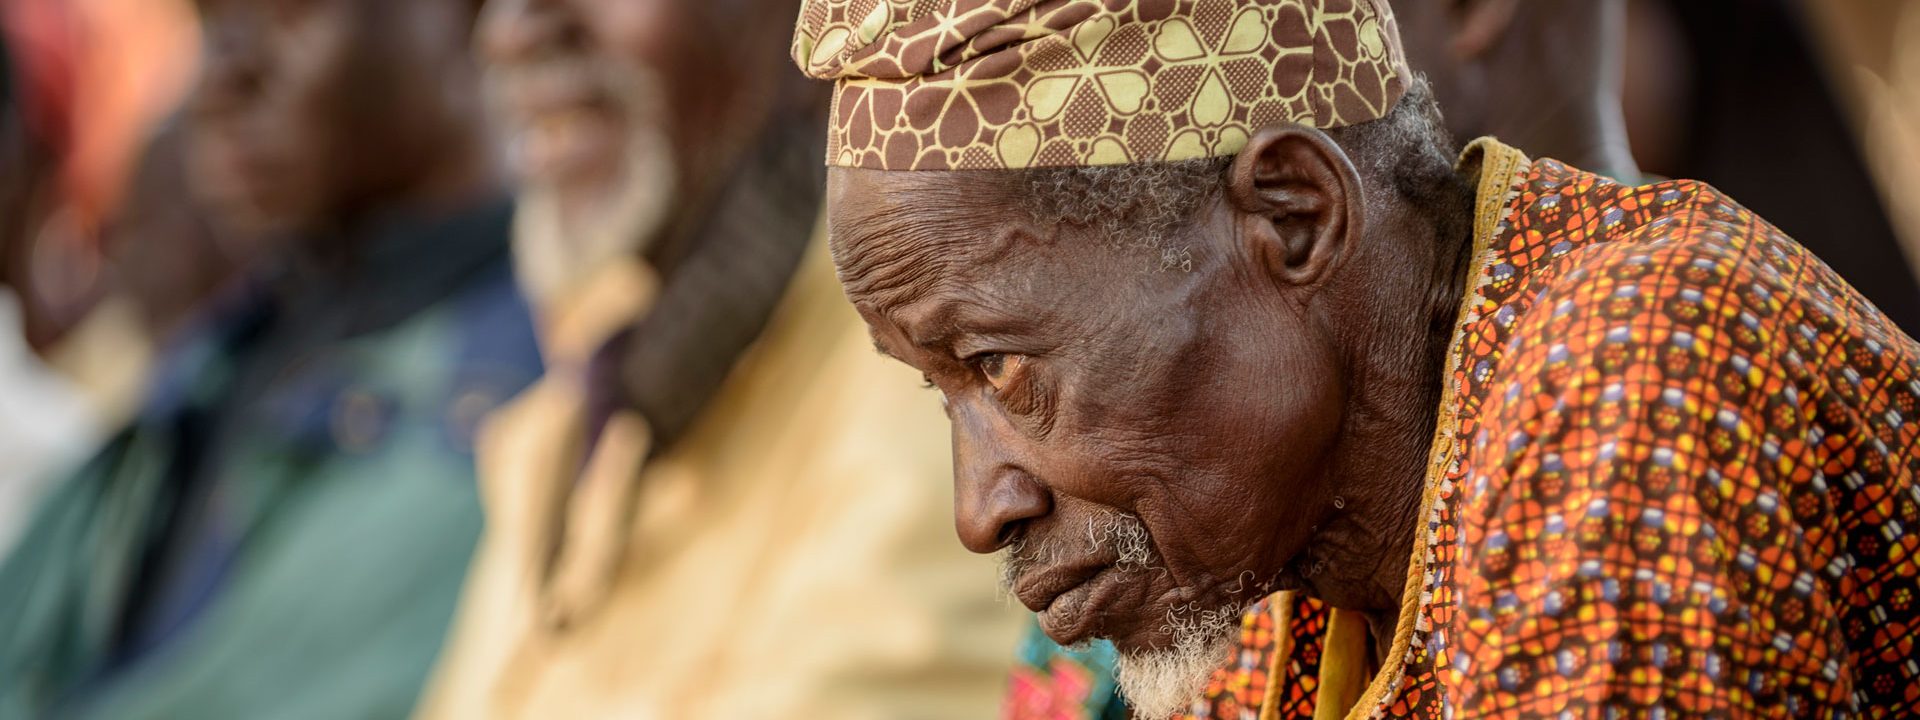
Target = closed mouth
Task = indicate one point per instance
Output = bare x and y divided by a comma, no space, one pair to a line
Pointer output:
1066,601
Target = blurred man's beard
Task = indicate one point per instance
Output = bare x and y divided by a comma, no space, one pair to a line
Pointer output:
556,248
1159,682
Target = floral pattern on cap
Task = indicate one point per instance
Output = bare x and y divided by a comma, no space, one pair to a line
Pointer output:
991,84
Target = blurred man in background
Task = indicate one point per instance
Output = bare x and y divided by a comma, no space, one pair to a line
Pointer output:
1545,74
706,508
282,530
103,251
163,254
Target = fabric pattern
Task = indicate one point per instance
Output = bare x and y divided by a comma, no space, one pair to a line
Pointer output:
1281,636
1299,680
983,84
1239,688
1049,682
1280,640
1687,482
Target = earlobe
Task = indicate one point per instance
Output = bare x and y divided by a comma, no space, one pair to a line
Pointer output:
1298,199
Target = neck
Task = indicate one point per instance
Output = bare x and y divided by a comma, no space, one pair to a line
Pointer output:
468,171
464,173
1397,354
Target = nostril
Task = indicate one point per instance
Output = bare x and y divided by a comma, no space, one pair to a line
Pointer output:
989,514
1008,534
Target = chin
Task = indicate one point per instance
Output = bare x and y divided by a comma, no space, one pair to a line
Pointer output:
1159,681
1169,648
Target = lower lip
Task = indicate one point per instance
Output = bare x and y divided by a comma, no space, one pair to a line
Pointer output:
1075,615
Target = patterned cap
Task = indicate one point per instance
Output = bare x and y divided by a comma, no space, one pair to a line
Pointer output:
984,84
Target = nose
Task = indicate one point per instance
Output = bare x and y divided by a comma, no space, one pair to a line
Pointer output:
519,30
991,497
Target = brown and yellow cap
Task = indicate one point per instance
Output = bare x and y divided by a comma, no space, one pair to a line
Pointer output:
982,84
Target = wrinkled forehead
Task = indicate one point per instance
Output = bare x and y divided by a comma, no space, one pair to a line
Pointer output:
898,233
931,252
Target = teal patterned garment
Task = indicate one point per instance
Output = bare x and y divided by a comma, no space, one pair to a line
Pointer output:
1050,682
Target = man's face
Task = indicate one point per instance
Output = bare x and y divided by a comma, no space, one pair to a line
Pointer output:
584,89
1143,437
308,108
582,85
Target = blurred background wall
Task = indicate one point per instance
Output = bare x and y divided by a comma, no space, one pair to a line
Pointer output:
1758,98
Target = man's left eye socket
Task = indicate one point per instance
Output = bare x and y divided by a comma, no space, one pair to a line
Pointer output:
998,368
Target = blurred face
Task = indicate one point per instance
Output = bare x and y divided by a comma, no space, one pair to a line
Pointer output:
584,87
1104,435
163,252
311,108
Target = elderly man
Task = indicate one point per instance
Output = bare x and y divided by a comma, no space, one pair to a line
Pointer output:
283,529
1498,66
711,506
1216,311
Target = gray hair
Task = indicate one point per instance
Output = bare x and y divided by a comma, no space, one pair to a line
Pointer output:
1407,153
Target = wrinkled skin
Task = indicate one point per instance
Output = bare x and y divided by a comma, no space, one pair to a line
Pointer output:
314,113
1265,414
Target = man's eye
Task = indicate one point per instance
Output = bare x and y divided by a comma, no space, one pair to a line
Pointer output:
998,368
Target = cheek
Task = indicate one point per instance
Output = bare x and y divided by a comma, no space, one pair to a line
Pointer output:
1251,438
1277,405
305,92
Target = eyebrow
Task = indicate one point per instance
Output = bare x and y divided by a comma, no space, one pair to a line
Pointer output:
940,318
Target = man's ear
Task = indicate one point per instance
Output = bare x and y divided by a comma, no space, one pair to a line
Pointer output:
1299,201
1478,25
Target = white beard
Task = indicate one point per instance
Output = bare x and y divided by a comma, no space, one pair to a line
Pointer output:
1158,683
553,254
1126,532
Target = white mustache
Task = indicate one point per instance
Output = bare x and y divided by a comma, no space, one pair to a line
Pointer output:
1125,531
1156,683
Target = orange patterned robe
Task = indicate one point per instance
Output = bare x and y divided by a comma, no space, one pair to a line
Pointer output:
1674,476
